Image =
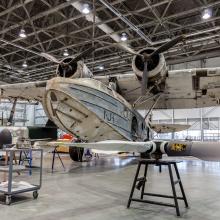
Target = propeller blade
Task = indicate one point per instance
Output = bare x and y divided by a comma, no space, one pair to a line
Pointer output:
135,53
45,55
168,45
144,79
82,55
20,47
50,57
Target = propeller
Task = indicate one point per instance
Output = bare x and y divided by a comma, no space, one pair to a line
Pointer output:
148,58
51,58
68,66
82,55
144,78
168,45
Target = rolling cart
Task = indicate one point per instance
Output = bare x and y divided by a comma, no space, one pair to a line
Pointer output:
9,187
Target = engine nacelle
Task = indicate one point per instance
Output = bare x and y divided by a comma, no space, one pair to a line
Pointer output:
75,70
156,66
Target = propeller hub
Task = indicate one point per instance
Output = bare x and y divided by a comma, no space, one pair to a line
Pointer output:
65,70
155,64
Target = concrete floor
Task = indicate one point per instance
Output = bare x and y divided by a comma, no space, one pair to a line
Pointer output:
99,190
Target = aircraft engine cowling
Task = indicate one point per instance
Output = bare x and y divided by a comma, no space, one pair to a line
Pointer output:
75,70
156,66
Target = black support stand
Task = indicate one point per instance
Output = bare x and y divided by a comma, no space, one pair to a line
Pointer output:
139,183
54,155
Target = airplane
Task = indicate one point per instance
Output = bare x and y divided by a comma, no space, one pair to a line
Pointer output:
101,110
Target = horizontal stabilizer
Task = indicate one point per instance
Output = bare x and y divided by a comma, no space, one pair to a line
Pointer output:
168,128
110,145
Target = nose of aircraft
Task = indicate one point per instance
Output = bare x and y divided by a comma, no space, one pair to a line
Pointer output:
66,108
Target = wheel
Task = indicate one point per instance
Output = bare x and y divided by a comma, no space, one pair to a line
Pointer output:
35,194
76,153
8,200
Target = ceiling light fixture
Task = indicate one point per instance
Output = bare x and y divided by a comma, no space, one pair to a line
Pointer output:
85,9
65,53
124,37
22,33
207,13
101,67
24,64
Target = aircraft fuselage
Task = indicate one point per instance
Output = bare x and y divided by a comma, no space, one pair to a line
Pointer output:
92,111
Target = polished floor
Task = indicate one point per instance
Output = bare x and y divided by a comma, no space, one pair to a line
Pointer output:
99,190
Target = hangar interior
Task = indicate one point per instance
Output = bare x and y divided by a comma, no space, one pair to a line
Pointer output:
38,35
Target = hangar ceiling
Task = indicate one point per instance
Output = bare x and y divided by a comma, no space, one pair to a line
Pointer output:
55,25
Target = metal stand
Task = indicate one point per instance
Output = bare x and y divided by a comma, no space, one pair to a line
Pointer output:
53,161
142,180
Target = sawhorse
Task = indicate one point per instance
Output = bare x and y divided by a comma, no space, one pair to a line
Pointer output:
141,181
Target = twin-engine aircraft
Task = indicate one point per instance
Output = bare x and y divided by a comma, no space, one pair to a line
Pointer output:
101,110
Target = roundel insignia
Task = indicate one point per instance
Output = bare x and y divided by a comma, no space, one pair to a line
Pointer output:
178,147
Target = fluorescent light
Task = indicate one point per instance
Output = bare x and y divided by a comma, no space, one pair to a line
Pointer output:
207,13
124,37
65,53
101,67
22,33
24,64
85,9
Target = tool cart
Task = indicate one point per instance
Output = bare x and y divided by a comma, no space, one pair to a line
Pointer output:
16,176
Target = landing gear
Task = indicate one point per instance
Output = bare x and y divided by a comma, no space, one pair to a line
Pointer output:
76,153
35,194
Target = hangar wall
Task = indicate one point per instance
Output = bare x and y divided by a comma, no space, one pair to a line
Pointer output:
205,123
40,118
24,113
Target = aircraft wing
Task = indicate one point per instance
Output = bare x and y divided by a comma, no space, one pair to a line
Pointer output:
32,91
175,148
128,84
189,88
209,151
110,145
